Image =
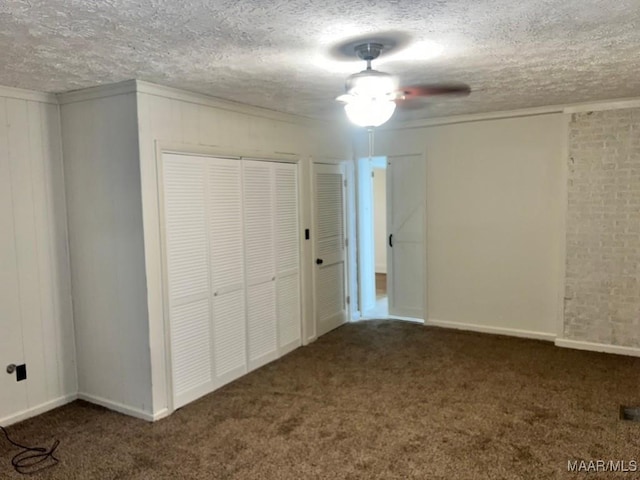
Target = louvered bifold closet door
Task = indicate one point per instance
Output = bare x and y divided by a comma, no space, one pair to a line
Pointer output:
226,246
287,243
187,277
258,203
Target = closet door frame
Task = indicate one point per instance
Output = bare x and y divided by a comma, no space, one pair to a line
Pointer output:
162,148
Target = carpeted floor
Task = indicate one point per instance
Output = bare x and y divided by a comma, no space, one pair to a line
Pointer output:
374,400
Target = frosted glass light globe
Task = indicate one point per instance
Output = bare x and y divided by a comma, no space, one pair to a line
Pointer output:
370,112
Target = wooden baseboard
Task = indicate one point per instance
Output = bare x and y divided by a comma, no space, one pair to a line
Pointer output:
512,332
37,410
118,407
598,347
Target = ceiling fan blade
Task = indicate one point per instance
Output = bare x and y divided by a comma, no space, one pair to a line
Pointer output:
431,90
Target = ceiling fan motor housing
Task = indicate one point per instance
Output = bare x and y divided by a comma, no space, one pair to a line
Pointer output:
369,51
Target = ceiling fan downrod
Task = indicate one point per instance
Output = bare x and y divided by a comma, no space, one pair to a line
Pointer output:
368,52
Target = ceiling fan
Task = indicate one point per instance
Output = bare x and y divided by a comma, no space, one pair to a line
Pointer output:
372,96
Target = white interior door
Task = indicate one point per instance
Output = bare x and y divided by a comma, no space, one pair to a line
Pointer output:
287,244
406,202
259,212
189,290
366,250
13,394
329,247
226,246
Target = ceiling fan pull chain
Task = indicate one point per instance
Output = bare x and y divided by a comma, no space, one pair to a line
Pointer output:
371,138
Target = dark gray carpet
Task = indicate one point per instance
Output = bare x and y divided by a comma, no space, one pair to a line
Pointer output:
374,400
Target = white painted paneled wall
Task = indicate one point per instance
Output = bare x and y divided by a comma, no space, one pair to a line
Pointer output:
102,175
496,199
36,324
110,137
495,206
197,124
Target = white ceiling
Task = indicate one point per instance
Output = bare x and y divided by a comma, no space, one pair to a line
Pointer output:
275,54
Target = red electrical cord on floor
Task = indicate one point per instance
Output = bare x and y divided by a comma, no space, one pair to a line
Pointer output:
31,459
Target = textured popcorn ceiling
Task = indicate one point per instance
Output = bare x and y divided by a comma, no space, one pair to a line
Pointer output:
274,54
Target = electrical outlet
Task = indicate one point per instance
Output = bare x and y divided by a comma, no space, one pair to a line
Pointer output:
21,372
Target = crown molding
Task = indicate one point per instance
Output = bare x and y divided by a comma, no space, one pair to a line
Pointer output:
616,104
139,86
101,91
29,95
209,101
613,104
475,117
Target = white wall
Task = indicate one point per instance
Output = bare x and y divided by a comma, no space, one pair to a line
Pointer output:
198,124
102,174
495,203
36,324
380,218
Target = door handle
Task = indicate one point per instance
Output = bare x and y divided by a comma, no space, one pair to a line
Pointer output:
391,240
319,261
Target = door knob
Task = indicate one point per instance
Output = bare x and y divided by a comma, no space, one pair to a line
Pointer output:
11,368
319,261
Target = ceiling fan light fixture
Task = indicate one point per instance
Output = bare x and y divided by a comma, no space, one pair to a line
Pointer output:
371,95
369,112
370,98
